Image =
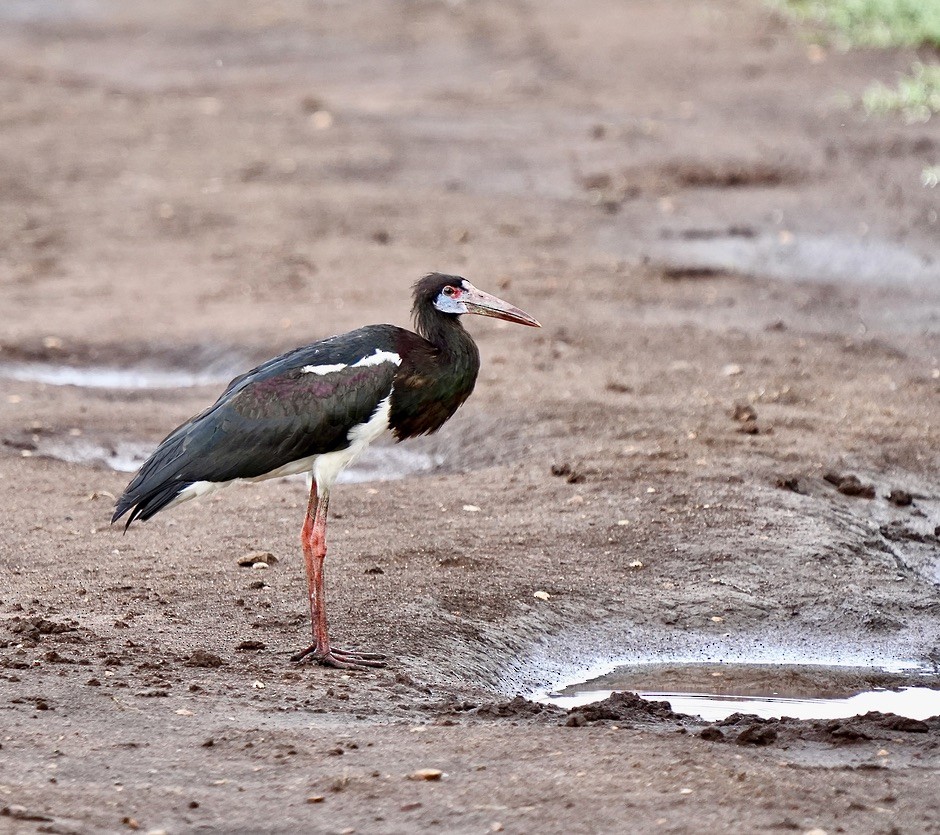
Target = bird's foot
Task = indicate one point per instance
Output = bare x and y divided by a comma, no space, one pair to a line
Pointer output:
340,658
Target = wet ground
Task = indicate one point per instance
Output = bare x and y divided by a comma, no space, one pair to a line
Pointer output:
715,691
721,447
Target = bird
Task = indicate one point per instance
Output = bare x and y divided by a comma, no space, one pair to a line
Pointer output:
314,410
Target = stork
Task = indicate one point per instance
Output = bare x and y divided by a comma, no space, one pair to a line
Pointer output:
314,410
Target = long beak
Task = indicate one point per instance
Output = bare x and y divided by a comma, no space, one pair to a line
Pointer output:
486,305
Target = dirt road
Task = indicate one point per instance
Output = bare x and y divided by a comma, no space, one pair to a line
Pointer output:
737,277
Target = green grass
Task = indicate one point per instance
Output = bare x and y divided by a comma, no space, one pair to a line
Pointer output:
916,97
879,23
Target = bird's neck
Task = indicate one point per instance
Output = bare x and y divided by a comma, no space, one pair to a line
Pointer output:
444,332
437,380
456,359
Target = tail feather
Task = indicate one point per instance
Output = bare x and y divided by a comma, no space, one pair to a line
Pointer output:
143,506
156,484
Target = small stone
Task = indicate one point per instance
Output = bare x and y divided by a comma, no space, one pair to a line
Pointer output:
853,486
426,774
204,658
471,508
262,566
316,798
617,387
249,645
184,712
575,500
901,498
321,119
131,823
257,685
732,369
636,564
815,831
252,559
541,595
744,413
717,619
623,522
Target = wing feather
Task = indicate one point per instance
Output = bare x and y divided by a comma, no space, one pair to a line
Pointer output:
274,415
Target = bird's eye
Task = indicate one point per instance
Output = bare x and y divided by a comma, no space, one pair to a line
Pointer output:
448,291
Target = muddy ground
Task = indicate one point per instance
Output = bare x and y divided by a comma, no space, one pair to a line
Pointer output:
737,279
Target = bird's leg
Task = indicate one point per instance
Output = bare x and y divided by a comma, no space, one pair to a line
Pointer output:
313,539
307,543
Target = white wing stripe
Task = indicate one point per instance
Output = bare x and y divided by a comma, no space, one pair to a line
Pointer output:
377,358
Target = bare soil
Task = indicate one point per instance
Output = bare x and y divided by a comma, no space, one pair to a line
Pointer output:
181,183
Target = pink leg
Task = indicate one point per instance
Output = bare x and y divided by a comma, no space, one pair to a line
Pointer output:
313,540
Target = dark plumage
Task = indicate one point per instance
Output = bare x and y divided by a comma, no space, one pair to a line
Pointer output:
316,407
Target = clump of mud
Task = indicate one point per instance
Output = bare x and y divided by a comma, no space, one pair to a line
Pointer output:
622,708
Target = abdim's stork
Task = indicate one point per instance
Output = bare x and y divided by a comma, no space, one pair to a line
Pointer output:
315,409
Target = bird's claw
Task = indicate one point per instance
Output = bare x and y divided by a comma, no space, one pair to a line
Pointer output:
341,658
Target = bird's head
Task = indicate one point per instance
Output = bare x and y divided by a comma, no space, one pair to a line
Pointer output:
455,296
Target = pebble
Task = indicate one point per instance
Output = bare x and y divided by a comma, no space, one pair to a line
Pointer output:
252,559
321,120
542,595
426,774
732,369
471,508
316,798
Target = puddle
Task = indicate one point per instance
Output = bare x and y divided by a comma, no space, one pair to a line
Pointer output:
122,456
44,11
389,463
378,463
113,377
822,258
801,691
